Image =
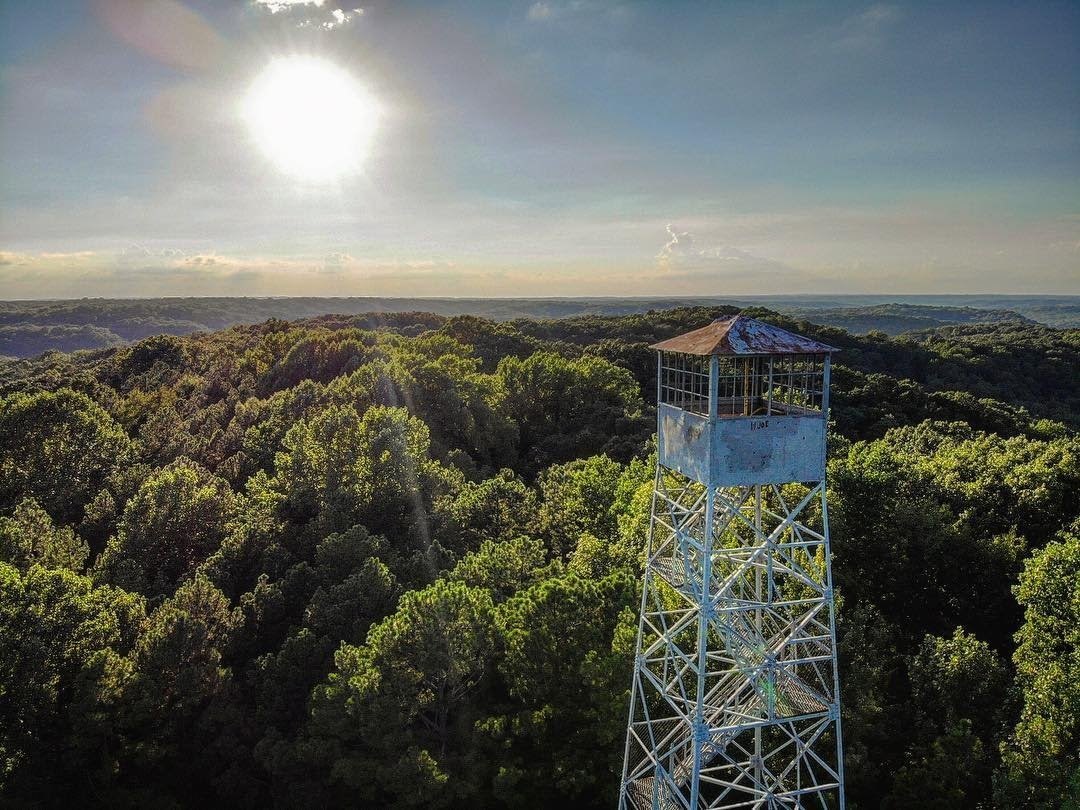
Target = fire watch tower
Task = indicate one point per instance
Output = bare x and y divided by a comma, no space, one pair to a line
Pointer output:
735,699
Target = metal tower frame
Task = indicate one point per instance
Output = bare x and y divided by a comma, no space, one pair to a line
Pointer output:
735,697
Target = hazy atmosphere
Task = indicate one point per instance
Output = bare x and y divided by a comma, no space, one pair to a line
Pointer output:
570,147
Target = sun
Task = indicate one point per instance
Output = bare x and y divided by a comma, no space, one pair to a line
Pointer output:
311,118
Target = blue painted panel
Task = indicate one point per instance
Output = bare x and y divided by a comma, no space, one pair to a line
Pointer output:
768,450
753,450
682,442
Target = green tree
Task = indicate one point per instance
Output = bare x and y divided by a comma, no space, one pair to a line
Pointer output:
320,356
29,536
169,716
177,519
960,678
495,509
960,692
567,408
340,468
951,772
439,381
567,649
57,447
578,499
63,671
394,724
502,568
491,341
346,593
265,422
1041,761
900,546
874,707
596,513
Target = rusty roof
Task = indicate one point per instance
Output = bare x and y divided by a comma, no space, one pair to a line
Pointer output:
741,335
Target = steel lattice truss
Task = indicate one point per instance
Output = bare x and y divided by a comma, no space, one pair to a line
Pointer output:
734,700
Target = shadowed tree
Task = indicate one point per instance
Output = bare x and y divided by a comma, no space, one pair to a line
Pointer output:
567,647
1041,768
29,536
496,509
169,716
58,448
960,693
567,408
63,671
394,724
176,520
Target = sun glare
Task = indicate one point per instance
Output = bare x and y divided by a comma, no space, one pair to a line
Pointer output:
311,118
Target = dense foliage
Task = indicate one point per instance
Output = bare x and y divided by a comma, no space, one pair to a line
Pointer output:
321,564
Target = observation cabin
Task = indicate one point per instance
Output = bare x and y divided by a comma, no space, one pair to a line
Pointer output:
742,402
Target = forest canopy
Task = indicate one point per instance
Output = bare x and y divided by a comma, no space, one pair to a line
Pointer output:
395,562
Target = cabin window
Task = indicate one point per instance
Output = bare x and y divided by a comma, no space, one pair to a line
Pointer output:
759,385
684,381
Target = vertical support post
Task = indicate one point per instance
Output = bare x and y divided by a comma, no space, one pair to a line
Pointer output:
701,729
659,384
829,595
705,600
759,537
825,372
641,629
714,385
768,407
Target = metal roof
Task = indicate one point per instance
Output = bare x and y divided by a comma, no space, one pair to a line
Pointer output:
741,335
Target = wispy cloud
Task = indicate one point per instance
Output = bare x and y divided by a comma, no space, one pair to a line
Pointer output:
277,6
681,257
17,259
139,270
136,252
548,10
538,12
315,13
867,28
8,259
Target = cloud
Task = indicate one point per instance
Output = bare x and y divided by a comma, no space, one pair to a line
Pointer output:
137,269
337,258
8,259
15,259
277,6
545,11
336,261
206,262
134,251
317,14
681,257
336,19
539,12
867,28
681,249
678,244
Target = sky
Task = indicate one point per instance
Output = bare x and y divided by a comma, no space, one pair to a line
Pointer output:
553,148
